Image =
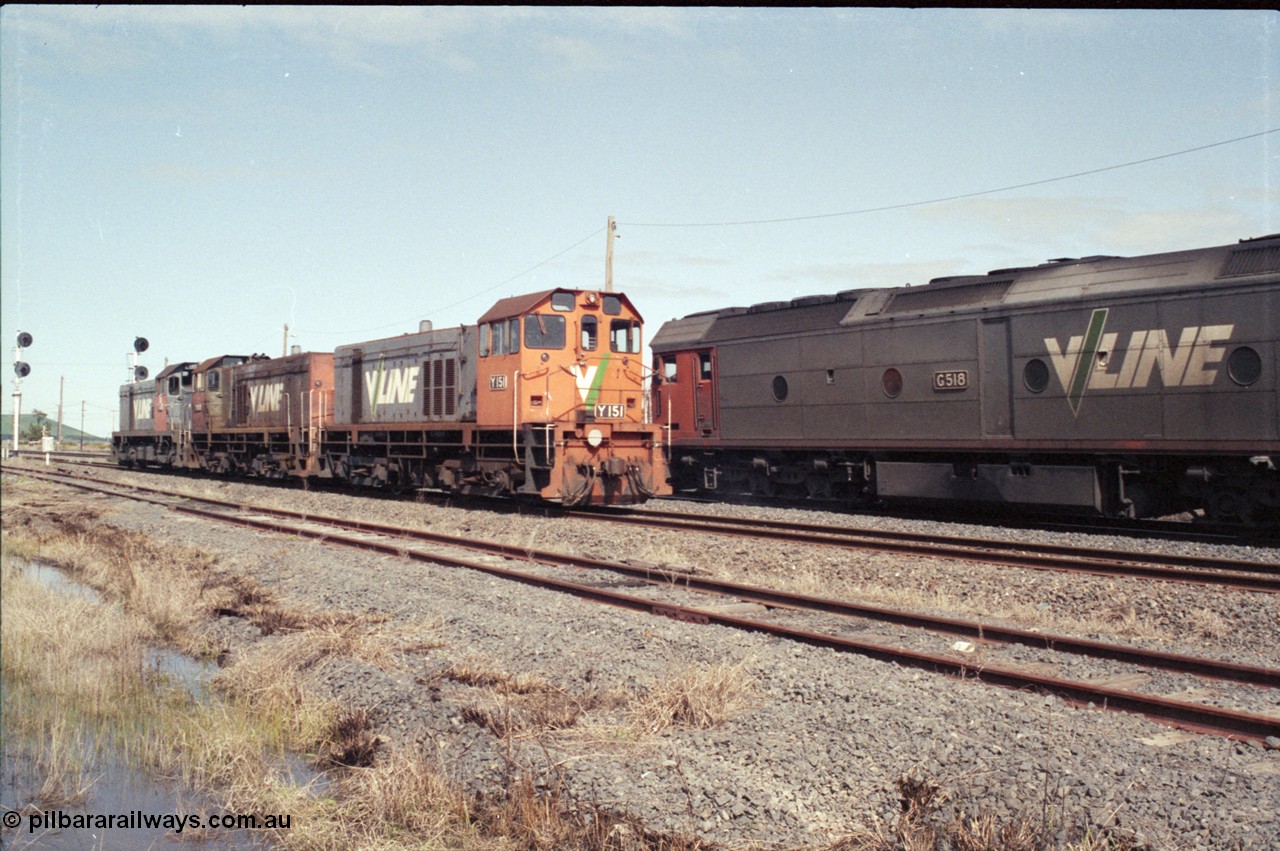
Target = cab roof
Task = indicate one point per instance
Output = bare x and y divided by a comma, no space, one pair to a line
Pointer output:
174,368
522,304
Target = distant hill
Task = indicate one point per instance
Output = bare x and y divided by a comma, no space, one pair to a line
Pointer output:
24,420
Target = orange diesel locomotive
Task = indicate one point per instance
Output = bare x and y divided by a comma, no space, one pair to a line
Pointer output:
542,398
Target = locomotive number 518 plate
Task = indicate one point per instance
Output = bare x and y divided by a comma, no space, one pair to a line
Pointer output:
952,379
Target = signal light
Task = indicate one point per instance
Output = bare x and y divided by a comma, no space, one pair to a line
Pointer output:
139,373
24,339
22,370
140,345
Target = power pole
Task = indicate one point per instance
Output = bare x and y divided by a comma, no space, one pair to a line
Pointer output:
284,350
608,256
62,379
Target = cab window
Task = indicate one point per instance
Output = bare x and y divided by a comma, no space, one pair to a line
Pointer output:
669,368
513,336
624,336
590,333
498,336
704,366
543,331
484,341
213,380
562,301
612,305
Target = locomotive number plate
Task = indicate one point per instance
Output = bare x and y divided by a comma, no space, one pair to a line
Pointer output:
610,412
497,382
952,379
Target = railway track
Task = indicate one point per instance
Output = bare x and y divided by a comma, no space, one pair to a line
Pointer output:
1228,573
782,614
1232,574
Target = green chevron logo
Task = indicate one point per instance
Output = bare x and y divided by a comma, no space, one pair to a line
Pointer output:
1076,363
1084,360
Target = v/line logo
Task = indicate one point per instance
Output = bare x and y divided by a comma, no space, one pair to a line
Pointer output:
265,398
390,385
589,379
142,408
1086,362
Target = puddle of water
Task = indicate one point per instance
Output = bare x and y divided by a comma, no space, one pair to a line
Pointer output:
120,790
124,794
192,675
54,578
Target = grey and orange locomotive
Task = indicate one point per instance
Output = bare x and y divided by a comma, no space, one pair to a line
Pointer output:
543,398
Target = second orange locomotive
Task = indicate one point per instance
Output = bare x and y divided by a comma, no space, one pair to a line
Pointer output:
542,398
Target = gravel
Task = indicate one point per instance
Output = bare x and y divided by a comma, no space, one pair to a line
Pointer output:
818,751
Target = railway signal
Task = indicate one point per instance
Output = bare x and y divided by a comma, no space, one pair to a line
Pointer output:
21,369
138,373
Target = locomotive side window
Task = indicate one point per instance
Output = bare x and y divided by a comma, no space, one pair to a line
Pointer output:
624,336
173,385
704,367
498,333
562,301
1244,366
891,383
513,337
213,379
590,333
612,306
484,341
544,331
669,369
1036,375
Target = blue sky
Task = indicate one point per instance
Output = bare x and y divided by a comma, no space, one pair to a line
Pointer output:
203,175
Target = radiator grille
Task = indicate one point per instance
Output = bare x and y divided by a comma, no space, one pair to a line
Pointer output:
932,298
1251,261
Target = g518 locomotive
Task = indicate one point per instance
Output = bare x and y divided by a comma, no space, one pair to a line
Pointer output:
1128,386
543,398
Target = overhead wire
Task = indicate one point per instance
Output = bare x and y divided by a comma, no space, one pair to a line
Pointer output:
477,293
959,197
816,216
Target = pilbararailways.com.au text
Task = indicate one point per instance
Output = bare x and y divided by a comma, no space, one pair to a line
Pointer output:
40,821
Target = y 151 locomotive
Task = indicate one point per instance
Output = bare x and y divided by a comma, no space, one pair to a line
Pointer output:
1133,386
543,398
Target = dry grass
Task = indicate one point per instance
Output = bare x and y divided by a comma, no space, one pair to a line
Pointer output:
920,826
523,705
75,685
696,697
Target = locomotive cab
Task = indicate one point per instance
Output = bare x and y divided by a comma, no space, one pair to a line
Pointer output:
684,392
560,373
174,386
210,401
